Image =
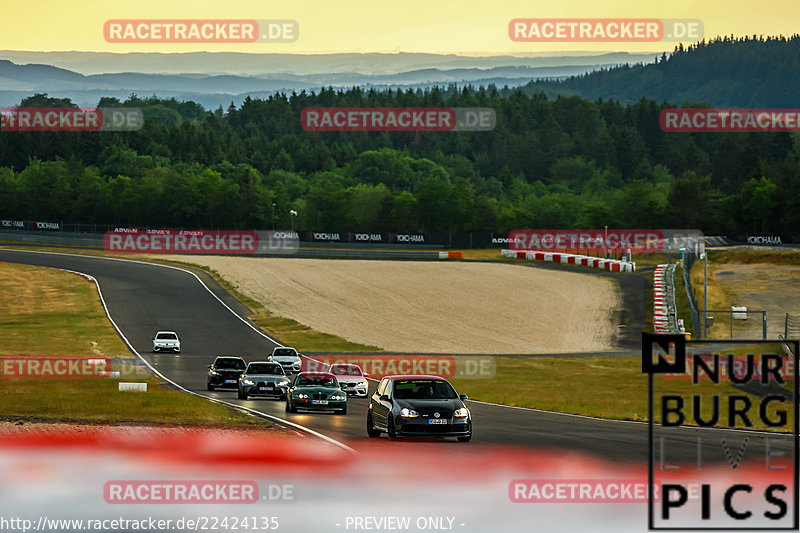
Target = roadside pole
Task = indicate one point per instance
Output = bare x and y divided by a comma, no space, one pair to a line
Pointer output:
705,292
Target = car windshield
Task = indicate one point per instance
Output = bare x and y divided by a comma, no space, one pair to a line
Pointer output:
265,368
427,389
229,364
284,352
346,370
304,381
169,336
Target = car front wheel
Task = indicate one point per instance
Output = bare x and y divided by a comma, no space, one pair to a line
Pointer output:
210,386
390,429
242,395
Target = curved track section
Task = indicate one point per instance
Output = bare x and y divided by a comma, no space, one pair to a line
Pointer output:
142,298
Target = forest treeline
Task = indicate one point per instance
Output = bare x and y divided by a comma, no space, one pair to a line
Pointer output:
751,71
563,162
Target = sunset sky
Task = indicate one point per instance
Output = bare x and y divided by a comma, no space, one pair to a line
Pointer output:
442,26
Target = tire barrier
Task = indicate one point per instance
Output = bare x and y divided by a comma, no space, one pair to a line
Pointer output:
612,265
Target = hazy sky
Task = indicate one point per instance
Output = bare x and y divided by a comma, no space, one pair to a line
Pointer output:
436,26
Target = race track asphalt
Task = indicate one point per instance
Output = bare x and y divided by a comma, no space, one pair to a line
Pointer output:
142,298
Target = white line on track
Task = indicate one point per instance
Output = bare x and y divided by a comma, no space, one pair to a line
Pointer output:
277,419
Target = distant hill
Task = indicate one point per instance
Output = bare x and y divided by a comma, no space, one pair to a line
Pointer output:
255,64
725,72
214,79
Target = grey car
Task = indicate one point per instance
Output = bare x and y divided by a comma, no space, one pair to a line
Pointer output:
263,378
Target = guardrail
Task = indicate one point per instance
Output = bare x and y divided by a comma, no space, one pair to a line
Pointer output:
694,311
785,346
665,308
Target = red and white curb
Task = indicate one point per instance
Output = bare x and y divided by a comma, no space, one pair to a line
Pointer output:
612,265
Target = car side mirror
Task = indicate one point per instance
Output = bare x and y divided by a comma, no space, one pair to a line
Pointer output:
366,375
464,397
209,367
385,398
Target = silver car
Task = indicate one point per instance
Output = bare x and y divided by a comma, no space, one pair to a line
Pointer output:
167,341
288,358
263,378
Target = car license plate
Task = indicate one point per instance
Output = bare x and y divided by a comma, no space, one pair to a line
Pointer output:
262,388
319,402
437,421
230,381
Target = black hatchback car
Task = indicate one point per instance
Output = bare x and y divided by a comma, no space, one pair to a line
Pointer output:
418,406
224,372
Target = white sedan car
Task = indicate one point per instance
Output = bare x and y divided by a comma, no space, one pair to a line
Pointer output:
351,378
288,358
167,341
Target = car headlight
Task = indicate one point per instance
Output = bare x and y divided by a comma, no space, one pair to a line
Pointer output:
247,382
338,397
461,412
301,395
405,412
283,383
364,383
213,372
